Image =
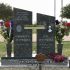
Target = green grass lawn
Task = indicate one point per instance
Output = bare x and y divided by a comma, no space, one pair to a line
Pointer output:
2,49
66,48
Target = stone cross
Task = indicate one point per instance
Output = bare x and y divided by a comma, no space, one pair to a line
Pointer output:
34,28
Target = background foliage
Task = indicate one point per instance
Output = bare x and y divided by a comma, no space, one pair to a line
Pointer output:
5,11
65,12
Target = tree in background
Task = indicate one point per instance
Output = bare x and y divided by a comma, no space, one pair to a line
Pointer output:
65,12
5,11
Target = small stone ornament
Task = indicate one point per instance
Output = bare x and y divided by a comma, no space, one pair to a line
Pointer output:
49,30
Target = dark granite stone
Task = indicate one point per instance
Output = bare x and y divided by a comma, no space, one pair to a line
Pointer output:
46,37
22,37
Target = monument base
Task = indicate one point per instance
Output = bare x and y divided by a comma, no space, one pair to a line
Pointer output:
8,61
32,68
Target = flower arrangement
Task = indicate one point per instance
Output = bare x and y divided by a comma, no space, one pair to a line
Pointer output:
7,31
52,55
60,31
56,57
59,58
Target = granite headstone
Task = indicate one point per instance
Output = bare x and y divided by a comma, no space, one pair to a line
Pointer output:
22,37
46,37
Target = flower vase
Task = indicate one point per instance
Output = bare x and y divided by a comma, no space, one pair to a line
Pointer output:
59,48
9,49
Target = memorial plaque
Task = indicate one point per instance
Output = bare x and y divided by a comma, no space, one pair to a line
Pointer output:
46,37
22,37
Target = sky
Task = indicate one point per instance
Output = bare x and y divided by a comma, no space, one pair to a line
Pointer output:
38,6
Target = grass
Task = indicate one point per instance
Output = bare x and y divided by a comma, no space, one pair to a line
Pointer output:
66,48
2,49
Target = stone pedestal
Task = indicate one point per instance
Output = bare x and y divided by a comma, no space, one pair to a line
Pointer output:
33,67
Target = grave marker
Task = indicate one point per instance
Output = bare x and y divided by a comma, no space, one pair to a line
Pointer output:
23,40
46,37
22,37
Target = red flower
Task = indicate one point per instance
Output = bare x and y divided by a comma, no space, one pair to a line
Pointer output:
67,24
7,24
52,55
59,58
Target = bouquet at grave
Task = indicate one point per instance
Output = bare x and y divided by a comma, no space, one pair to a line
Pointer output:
52,55
60,31
7,31
56,57
59,58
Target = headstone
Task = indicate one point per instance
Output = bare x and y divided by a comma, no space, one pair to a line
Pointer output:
46,37
22,37
23,40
